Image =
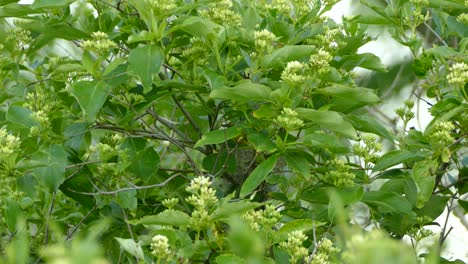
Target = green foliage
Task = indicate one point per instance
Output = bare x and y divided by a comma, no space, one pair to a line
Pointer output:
227,131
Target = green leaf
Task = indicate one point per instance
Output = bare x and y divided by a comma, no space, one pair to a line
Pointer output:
246,91
348,195
434,207
258,175
21,117
17,10
363,60
13,213
444,51
131,247
387,202
127,199
345,98
145,62
424,177
56,30
218,136
297,162
396,157
329,120
145,164
447,4
325,141
368,124
229,259
260,141
51,3
202,28
52,173
280,57
168,217
91,96
229,209
198,250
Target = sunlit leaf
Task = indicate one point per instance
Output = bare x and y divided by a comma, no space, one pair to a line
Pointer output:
258,175
145,62
329,120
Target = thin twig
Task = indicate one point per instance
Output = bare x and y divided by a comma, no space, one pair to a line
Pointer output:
444,235
128,188
169,124
82,164
70,234
49,214
187,115
422,99
436,34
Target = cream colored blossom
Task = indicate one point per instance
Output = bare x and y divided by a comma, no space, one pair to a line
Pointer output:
220,12
8,143
100,43
160,246
458,73
294,247
293,73
264,40
289,119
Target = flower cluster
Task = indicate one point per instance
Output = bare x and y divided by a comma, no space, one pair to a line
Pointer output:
294,73
43,120
416,15
21,37
281,6
8,143
294,246
41,100
321,61
202,198
330,39
109,153
262,219
170,202
463,18
161,6
196,52
324,252
440,138
405,113
220,12
203,195
160,247
368,150
458,74
303,7
100,43
264,41
339,174
289,120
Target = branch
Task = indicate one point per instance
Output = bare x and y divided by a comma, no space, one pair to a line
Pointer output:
443,234
162,184
170,125
49,214
81,222
187,115
436,34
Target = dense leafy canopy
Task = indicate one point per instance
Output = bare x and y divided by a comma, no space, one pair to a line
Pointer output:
172,131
